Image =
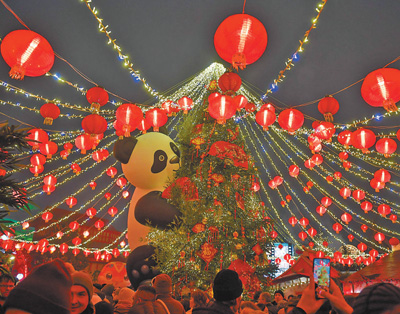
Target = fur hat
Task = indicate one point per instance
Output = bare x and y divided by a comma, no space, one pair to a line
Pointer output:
227,285
163,284
377,299
83,279
45,290
126,294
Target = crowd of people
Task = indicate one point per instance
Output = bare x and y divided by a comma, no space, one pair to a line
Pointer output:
56,288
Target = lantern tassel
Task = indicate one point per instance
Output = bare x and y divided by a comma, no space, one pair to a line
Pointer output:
389,105
48,121
328,117
17,72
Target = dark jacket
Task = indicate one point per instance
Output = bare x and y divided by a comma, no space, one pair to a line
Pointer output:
148,307
213,308
174,306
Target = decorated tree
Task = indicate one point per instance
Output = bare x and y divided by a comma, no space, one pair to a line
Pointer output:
224,223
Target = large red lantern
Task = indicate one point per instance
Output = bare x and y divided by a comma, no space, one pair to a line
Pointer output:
99,224
358,195
84,142
49,112
112,211
376,185
293,221
312,232
111,172
47,216
346,218
27,53
362,246
91,212
302,235
291,120
63,248
384,209
36,137
266,116
380,237
366,206
38,160
337,227
328,106
50,180
381,88
382,175
97,97
222,108
143,126
386,146
129,116
74,225
345,192
229,83
321,210
394,241
344,138
326,201
156,118
48,149
325,130
304,222
363,139
185,103
94,124
240,40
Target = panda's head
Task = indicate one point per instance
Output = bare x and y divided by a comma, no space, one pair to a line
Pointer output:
148,161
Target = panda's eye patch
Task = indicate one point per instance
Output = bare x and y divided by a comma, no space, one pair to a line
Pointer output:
175,149
159,161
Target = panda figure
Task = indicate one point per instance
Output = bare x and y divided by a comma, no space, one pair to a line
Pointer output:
149,163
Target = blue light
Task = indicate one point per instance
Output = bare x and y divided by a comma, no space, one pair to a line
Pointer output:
295,57
57,76
274,87
378,117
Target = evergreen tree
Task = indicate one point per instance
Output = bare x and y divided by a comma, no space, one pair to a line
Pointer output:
224,222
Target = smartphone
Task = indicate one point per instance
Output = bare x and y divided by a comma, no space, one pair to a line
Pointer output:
322,275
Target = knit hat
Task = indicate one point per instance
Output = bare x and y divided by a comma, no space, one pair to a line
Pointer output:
227,285
83,279
280,292
108,289
46,290
126,294
377,299
163,284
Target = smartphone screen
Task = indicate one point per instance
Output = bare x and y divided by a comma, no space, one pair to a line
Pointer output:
322,275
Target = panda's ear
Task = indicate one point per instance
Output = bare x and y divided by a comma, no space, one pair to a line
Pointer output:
123,149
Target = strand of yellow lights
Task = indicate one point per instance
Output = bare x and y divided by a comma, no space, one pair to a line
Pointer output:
116,240
289,63
124,58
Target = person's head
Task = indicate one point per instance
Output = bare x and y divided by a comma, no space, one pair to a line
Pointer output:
198,298
292,303
256,296
264,298
104,307
186,304
228,288
278,296
144,293
248,304
81,292
45,290
377,298
126,295
163,284
108,290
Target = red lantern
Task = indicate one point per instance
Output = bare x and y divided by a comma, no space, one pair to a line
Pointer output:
382,175
93,185
291,120
346,218
63,248
50,180
364,228
143,126
99,224
337,227
229,83
373,253
325,131
325,243
111,172
366,206
326,201
156,118
47,216
337,175
362,246
240,102
350,237
321,210
320,254
302,235
344,138
328,106
384,209
304,222
393,218
91,212
27,53
75,251
185,103
266,116
112,211
358,195
37,137
115,252
376,185
121,182
76,241
309,164
25,225
71,201
240,39
222,108
293,221
294,171
48,149
345,192
38,160
273,234
48,189
363,139
394,241
129,117
381,88
312,232
125,194
272,184
74,225
250,107
49,112
76,168
59,234
386,146
94,124
97,97
380,237
84,142
317,159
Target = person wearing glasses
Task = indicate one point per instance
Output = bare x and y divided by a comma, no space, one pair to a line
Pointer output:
7,283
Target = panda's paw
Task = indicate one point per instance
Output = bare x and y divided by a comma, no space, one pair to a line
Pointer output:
154,209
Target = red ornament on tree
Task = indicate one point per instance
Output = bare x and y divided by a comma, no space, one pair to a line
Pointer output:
240,40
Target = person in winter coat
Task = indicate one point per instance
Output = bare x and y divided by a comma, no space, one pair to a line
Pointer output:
163,285
144,302
227,288
81,293
124,301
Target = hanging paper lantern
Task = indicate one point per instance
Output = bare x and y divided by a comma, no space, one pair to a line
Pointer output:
48,149
99,224
350,237
312,232
49,112
346,218
302,235
317,159
364,228
75,251
381,88
393,218
25,225
337,175
294,171
394,241
382,175
125,194
93,185
325,131
321,210
74,225
50,180
107,196
250,107
380,237
240,40
326,201
325,243
363,139
94,124
222,108
168,107
115,252
59,234
240,102
345,192
362,246
386,146
47,216
85,233
112,211
266,116
343,155
156,118
27,53
143,126
76,168
344,138
376,185
129,116
320,254
63,248
293,221
304,222
91,212
309,164
97,97
38,160
384,209
358,195
48,189
84,142
328,106
229,83
36,137
373,253
337,227
111,172
291,120
366,206
71,201
121,182
76,241
185,103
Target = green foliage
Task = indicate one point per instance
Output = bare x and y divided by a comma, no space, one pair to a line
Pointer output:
230,215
